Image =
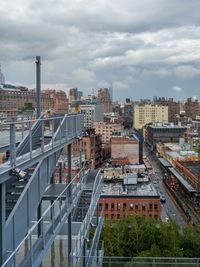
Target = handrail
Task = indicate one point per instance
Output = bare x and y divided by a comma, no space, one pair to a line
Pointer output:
42,217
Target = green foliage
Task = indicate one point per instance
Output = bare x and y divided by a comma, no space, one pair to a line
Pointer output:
136,236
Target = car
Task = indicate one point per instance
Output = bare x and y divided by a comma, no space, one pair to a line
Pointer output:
162,199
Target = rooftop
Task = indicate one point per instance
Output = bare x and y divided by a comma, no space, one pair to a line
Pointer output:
192,166
165,125
139,190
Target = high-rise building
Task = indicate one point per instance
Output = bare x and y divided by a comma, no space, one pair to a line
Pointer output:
104,98
92,113
73,94
192,108
144,114
2,78
111,92
173,107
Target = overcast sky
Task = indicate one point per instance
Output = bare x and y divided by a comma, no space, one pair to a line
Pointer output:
143,47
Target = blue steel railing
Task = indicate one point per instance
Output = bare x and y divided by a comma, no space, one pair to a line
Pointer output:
74,188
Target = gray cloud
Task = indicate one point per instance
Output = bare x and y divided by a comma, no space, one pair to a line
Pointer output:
139,46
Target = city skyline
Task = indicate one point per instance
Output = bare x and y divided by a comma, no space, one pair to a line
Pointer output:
143,49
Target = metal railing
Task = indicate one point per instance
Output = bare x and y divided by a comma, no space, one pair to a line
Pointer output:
95,241
150,261
85,226
56,131
57,211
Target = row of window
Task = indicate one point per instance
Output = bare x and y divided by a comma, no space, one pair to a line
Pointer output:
118,206
113,216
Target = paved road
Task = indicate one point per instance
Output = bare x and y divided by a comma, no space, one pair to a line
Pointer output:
168,209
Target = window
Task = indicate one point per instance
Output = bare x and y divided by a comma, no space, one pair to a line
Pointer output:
150,206
118,206
106,206
155,206
112,206
131,206
143,206
136,206
100,206
124,206
106,216
112,216
156,217
118,216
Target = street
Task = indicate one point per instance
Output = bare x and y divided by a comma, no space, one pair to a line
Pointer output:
168,209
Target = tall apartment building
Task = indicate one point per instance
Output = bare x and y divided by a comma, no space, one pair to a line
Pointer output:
173,107
60,102
13,98
192,108
104,98
73,94
92,113
107,129
144,114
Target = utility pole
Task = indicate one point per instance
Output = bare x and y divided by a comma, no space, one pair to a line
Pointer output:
38,85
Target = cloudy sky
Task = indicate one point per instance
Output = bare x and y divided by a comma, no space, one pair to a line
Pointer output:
143,47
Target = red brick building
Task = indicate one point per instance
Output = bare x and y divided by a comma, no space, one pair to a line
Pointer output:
91,146
119,200
60,101
124,147
14,98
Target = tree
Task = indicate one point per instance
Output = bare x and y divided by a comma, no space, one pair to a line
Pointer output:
145,237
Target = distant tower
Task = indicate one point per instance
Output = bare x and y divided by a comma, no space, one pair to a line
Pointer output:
111,92
2,78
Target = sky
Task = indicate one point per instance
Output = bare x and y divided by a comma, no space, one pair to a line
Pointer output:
142,47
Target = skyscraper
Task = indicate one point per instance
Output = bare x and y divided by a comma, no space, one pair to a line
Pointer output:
2,78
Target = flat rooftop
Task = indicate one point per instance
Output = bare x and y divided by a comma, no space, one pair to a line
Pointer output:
192,166
117,189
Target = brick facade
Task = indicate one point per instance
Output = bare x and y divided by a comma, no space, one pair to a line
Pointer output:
116,207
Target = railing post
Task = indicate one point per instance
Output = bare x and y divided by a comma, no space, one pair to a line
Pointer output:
2,222
60,130
42,147
22,127
60,172
69,196
80,164
30,140
31,248
52,132
12,145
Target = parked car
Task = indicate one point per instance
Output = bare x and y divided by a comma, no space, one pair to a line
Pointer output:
162,199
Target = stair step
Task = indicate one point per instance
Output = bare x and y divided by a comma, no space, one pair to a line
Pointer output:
11,197
15,190
19,183
10,205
